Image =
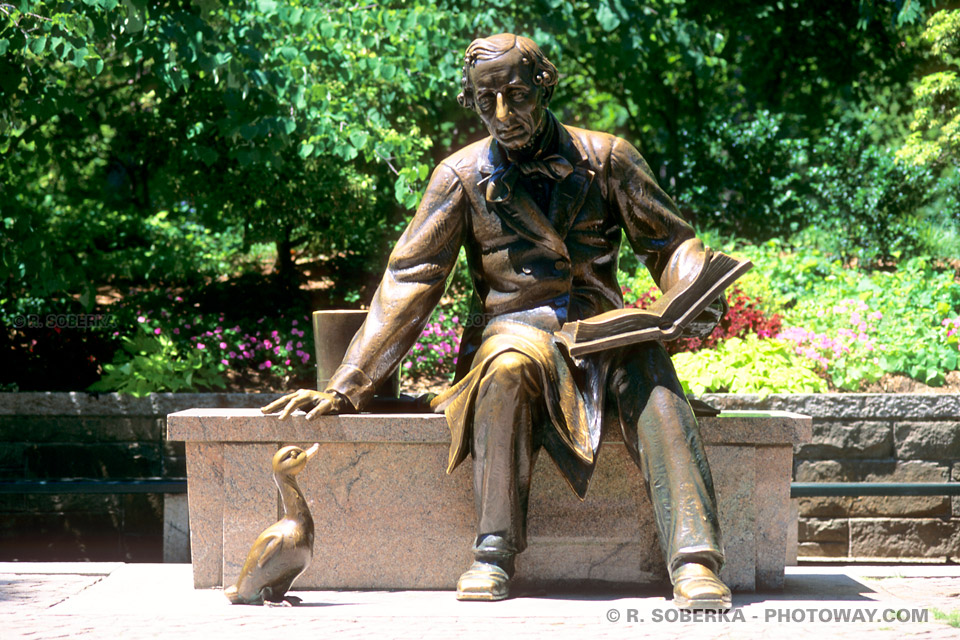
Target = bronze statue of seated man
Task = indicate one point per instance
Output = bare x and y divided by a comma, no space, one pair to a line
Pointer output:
540,209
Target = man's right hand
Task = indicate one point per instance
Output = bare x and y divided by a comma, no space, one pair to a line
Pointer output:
323,403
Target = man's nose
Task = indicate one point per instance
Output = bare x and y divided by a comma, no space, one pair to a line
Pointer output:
502,111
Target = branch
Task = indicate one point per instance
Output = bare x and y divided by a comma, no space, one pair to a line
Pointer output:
389,164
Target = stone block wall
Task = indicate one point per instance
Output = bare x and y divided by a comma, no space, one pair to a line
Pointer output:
856,437
52,436
874,438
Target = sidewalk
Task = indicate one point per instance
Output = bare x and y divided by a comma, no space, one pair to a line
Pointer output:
130,601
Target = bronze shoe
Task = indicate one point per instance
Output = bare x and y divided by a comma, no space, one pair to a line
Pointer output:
697,587
483,582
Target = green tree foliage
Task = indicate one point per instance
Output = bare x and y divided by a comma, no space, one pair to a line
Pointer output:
935,136
314,125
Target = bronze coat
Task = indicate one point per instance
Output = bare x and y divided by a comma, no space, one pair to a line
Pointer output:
520,258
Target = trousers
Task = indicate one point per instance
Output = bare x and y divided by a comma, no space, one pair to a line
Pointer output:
659,430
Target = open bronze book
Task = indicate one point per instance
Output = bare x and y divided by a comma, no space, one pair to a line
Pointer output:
665,319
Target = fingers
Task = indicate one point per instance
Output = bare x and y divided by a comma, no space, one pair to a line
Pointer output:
274,406
300,399
323,407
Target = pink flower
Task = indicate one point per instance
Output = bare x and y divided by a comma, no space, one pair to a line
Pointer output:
141,319
157,331
224,362
200,345
294,323
223,345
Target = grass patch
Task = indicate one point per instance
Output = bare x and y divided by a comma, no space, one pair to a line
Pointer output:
952,618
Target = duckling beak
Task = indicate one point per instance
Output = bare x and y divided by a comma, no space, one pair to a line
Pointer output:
312,451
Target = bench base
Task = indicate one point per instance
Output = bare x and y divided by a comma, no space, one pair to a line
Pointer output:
388,517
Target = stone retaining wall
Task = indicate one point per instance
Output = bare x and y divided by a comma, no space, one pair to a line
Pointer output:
874,438
49,436
856,437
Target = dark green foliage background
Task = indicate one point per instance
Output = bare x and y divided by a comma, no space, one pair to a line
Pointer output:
158,143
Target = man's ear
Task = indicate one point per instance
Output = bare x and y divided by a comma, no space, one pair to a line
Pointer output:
545,94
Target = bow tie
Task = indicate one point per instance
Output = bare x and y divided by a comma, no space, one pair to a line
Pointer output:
500,187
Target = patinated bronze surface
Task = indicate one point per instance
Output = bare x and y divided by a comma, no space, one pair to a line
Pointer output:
540,209
284,550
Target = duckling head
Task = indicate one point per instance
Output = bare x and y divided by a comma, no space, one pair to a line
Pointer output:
290,460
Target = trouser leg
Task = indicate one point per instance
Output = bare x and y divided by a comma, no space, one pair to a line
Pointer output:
507,401
662,434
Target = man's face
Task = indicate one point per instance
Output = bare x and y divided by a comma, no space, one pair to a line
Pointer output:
508,101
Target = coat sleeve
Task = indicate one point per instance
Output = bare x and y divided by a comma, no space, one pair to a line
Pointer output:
650,219
411,287
665,242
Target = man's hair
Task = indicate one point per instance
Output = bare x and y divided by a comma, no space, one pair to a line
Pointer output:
544,72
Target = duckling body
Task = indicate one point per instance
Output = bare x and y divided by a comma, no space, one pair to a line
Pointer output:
284,549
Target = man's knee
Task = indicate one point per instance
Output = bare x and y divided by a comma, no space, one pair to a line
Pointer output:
513,368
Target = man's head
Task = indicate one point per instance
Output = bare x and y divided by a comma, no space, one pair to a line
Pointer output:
509,82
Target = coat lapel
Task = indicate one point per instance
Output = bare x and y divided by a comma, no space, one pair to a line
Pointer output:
520,212
568,195
523,215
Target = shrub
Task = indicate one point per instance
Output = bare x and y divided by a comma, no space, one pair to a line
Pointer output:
175,346
745,315
435,352
748,365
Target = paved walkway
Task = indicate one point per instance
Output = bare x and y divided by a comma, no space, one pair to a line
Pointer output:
158,601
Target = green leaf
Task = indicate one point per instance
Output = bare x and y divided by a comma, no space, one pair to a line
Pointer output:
4,45
306,150
606,17
327,29
37,45
388,71
359,139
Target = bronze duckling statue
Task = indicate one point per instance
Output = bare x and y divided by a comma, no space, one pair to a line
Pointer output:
284,550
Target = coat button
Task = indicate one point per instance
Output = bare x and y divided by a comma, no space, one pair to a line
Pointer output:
560,265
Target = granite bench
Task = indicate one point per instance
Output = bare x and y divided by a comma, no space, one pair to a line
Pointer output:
388,517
